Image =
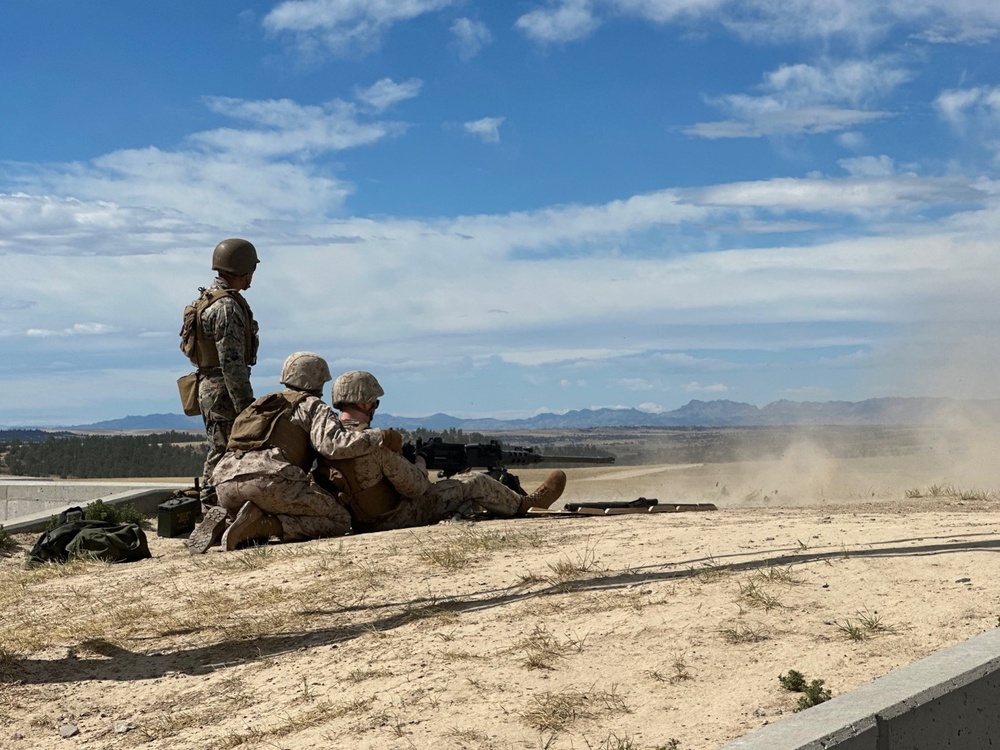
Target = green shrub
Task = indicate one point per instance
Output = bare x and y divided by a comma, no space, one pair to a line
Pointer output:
98,510
813,693
794,681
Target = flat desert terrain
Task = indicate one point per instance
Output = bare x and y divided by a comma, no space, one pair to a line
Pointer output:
664,630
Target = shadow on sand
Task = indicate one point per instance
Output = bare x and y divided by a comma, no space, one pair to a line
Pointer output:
115,663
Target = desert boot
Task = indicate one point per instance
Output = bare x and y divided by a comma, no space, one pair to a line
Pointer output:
209,532
250,523
547,493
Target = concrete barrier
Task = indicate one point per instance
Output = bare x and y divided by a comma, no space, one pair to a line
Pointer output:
27,505
946,700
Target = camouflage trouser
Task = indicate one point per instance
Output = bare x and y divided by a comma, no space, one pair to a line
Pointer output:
218,413
305,510
446,497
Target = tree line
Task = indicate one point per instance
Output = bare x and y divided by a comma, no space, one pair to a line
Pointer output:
169,454
173,454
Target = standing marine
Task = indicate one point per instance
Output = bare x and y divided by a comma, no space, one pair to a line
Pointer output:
220,338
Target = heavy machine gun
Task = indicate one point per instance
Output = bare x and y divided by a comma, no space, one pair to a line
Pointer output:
448,459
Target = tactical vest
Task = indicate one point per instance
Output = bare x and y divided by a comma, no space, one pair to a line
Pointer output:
266,423
365,505
197,345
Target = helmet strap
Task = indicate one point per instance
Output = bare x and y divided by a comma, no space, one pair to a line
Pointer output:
370,411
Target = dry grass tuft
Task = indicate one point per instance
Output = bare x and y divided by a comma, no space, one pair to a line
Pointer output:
949,491
361,675
570,568
542,649
756,596
776,574
743,633
470,542
711,572
554,712
868,625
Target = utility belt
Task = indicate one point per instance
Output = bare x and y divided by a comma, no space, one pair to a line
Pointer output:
209,372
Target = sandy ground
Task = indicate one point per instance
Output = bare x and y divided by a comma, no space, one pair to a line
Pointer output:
653,631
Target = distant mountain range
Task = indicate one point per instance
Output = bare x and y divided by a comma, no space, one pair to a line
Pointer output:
720,413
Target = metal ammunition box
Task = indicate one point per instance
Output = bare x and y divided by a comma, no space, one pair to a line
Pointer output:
177,516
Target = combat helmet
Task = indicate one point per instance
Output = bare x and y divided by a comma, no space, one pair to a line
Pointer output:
235,256
356,387
306,372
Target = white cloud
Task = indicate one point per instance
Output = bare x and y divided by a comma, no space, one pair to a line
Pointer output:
852,140
344,26
854,195
764,21
385,92
555,354
566,21
470,37
650,408
635,384
487,128
211,188
226,176
850,81
696,387
980,28
802,121
77,329
869,166
284,128
954,105
973,112
807,99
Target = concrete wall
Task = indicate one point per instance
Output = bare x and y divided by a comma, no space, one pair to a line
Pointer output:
947,700
26,505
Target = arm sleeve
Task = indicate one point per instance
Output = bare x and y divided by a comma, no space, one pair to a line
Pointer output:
331,439
230,341
408,480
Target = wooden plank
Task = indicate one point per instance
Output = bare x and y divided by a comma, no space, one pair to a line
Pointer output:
662,508
681,507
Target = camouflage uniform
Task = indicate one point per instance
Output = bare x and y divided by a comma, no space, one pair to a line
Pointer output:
266,478
399,495
224,391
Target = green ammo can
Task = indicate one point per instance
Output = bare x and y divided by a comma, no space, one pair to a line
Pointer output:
177,516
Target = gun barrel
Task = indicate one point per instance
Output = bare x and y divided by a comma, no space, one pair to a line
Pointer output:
577,459
451,458
526,456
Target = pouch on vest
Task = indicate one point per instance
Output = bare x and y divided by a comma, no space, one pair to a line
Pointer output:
265,423
187,386
189,332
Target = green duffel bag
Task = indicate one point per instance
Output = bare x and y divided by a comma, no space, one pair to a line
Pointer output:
99,540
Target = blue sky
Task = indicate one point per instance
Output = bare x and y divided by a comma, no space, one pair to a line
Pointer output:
504,208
